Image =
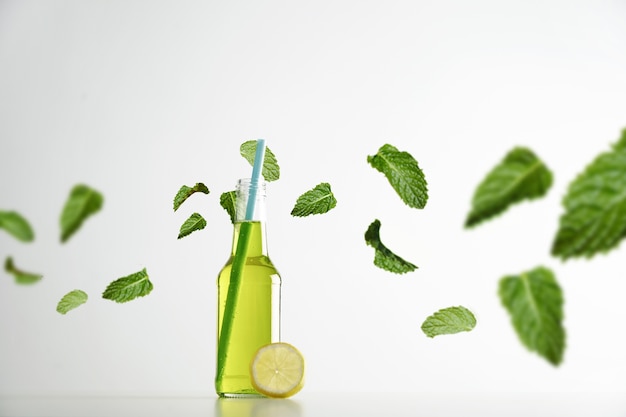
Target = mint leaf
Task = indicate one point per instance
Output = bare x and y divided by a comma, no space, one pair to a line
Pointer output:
21,277
535,303
383,257
193,223
319,200
228,203
449,321
594,220
403,173
185,192
71,300
128,288
16,225
520,175
271,170
621,142
82,202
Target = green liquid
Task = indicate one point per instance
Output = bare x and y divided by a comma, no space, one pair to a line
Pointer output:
256,320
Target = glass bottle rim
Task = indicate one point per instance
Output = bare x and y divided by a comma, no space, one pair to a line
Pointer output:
246,183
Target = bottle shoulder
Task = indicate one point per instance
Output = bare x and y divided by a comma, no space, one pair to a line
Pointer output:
254,266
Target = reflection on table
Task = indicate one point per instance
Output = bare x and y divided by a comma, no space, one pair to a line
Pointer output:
257,407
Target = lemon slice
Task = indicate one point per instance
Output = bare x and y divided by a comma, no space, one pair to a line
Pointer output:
277,370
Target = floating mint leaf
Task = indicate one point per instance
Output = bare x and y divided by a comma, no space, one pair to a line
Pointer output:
128,288
621,142
316,201
193,223
228,203
594,220
535,303
16,225
383,257
185,192
403,173
71,300
449,321
82,202
271,170
520,175
20,276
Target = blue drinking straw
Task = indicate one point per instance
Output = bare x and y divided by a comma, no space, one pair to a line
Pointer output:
257,167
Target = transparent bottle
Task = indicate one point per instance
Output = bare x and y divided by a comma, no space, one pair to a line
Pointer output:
248,289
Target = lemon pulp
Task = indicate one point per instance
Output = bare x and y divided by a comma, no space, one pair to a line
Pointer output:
277,370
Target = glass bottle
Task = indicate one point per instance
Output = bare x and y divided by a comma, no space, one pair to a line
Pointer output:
248,289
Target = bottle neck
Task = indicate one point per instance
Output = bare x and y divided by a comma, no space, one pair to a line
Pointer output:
249,201
254,232
250,217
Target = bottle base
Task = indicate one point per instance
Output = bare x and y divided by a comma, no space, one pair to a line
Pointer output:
240,395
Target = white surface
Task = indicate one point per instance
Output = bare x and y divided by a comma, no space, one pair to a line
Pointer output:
138,98
325,404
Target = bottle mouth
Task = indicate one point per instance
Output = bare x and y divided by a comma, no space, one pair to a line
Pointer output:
248,181
247,184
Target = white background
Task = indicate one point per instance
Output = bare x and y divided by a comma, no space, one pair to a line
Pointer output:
136,98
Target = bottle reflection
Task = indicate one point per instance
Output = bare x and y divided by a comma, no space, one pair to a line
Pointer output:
256,407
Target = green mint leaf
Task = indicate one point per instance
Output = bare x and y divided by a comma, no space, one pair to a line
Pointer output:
193,223
403,173
383,257
21,277
71,300
535,304
16,225
228,203
185,192
621,142
128,288
449,321
271,170
82,202
594,219
316,201
520,175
